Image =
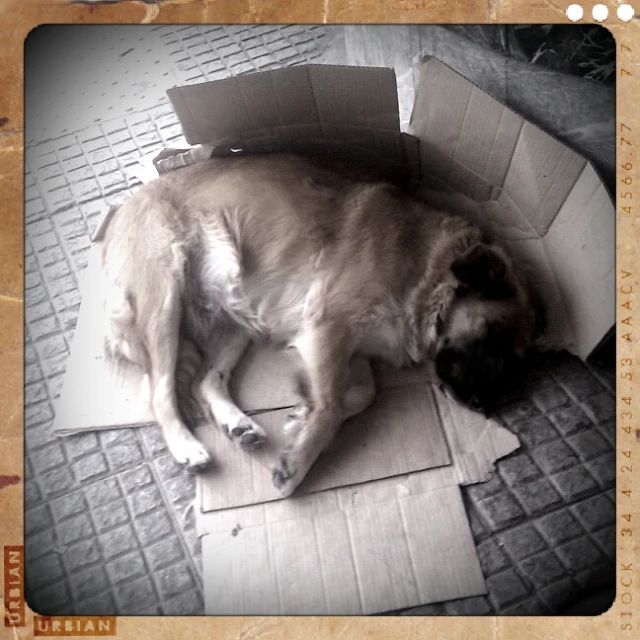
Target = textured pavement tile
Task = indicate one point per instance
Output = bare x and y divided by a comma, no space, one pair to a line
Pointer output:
136,596
123,456
152,440
51,600
163,553
518,468
110,515
189,603
599,406
558,595
80,554
486,489
535,431
501,511
505,588
580,555
136,478
559,526
589,444
569,420
175,579
102,491
530,607
38,436
153,526
537,496
102,605
57,481
554,456
48,457
606,540
32,493
145,499
81,444
117,541
542,569
126,567
44,570
492,558
478,528
574,483
477,606
181,489
595,513
90,466
522,542
604,469
39,544
75,528
37,519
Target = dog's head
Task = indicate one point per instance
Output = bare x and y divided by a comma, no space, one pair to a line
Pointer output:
489,326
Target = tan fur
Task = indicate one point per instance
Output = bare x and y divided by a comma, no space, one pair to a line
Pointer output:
205,258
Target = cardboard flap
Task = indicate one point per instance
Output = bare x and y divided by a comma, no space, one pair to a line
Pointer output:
464,133
582,255
306,95
533,193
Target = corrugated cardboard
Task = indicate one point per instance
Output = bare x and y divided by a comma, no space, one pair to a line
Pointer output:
360,549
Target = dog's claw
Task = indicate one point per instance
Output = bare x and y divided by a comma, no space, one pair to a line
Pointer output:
282,473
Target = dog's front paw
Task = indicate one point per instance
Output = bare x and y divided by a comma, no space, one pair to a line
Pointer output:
191,454
246,432
284,475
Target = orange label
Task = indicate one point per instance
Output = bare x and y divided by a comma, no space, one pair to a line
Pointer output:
74,625
14,609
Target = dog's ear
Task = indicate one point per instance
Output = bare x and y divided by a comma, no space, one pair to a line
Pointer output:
484,270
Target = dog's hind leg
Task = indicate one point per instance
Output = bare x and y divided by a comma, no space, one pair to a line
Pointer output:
162,344
212,388
359,394
326,349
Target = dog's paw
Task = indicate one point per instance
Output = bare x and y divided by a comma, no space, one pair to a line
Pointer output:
284,476
192,455
246,432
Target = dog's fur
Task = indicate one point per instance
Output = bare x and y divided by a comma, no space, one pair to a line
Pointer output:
212,255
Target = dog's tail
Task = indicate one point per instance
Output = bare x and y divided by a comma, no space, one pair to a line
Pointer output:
187,367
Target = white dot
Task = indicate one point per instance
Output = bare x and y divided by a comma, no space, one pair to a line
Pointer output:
625,12
600,12
574,12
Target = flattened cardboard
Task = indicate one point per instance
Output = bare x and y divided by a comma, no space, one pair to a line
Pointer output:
362,549
349,560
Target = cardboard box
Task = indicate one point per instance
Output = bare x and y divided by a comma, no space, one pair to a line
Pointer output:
382,521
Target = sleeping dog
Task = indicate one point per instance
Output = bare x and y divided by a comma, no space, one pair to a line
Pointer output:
204,259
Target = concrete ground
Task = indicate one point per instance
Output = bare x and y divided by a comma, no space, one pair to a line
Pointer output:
107,525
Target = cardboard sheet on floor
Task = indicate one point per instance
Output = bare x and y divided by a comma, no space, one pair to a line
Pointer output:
360,549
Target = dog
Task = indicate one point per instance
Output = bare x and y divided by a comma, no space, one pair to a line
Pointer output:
210,256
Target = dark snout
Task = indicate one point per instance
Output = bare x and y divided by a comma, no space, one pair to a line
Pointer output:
471,376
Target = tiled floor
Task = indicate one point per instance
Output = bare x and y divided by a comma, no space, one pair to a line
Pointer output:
108,525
